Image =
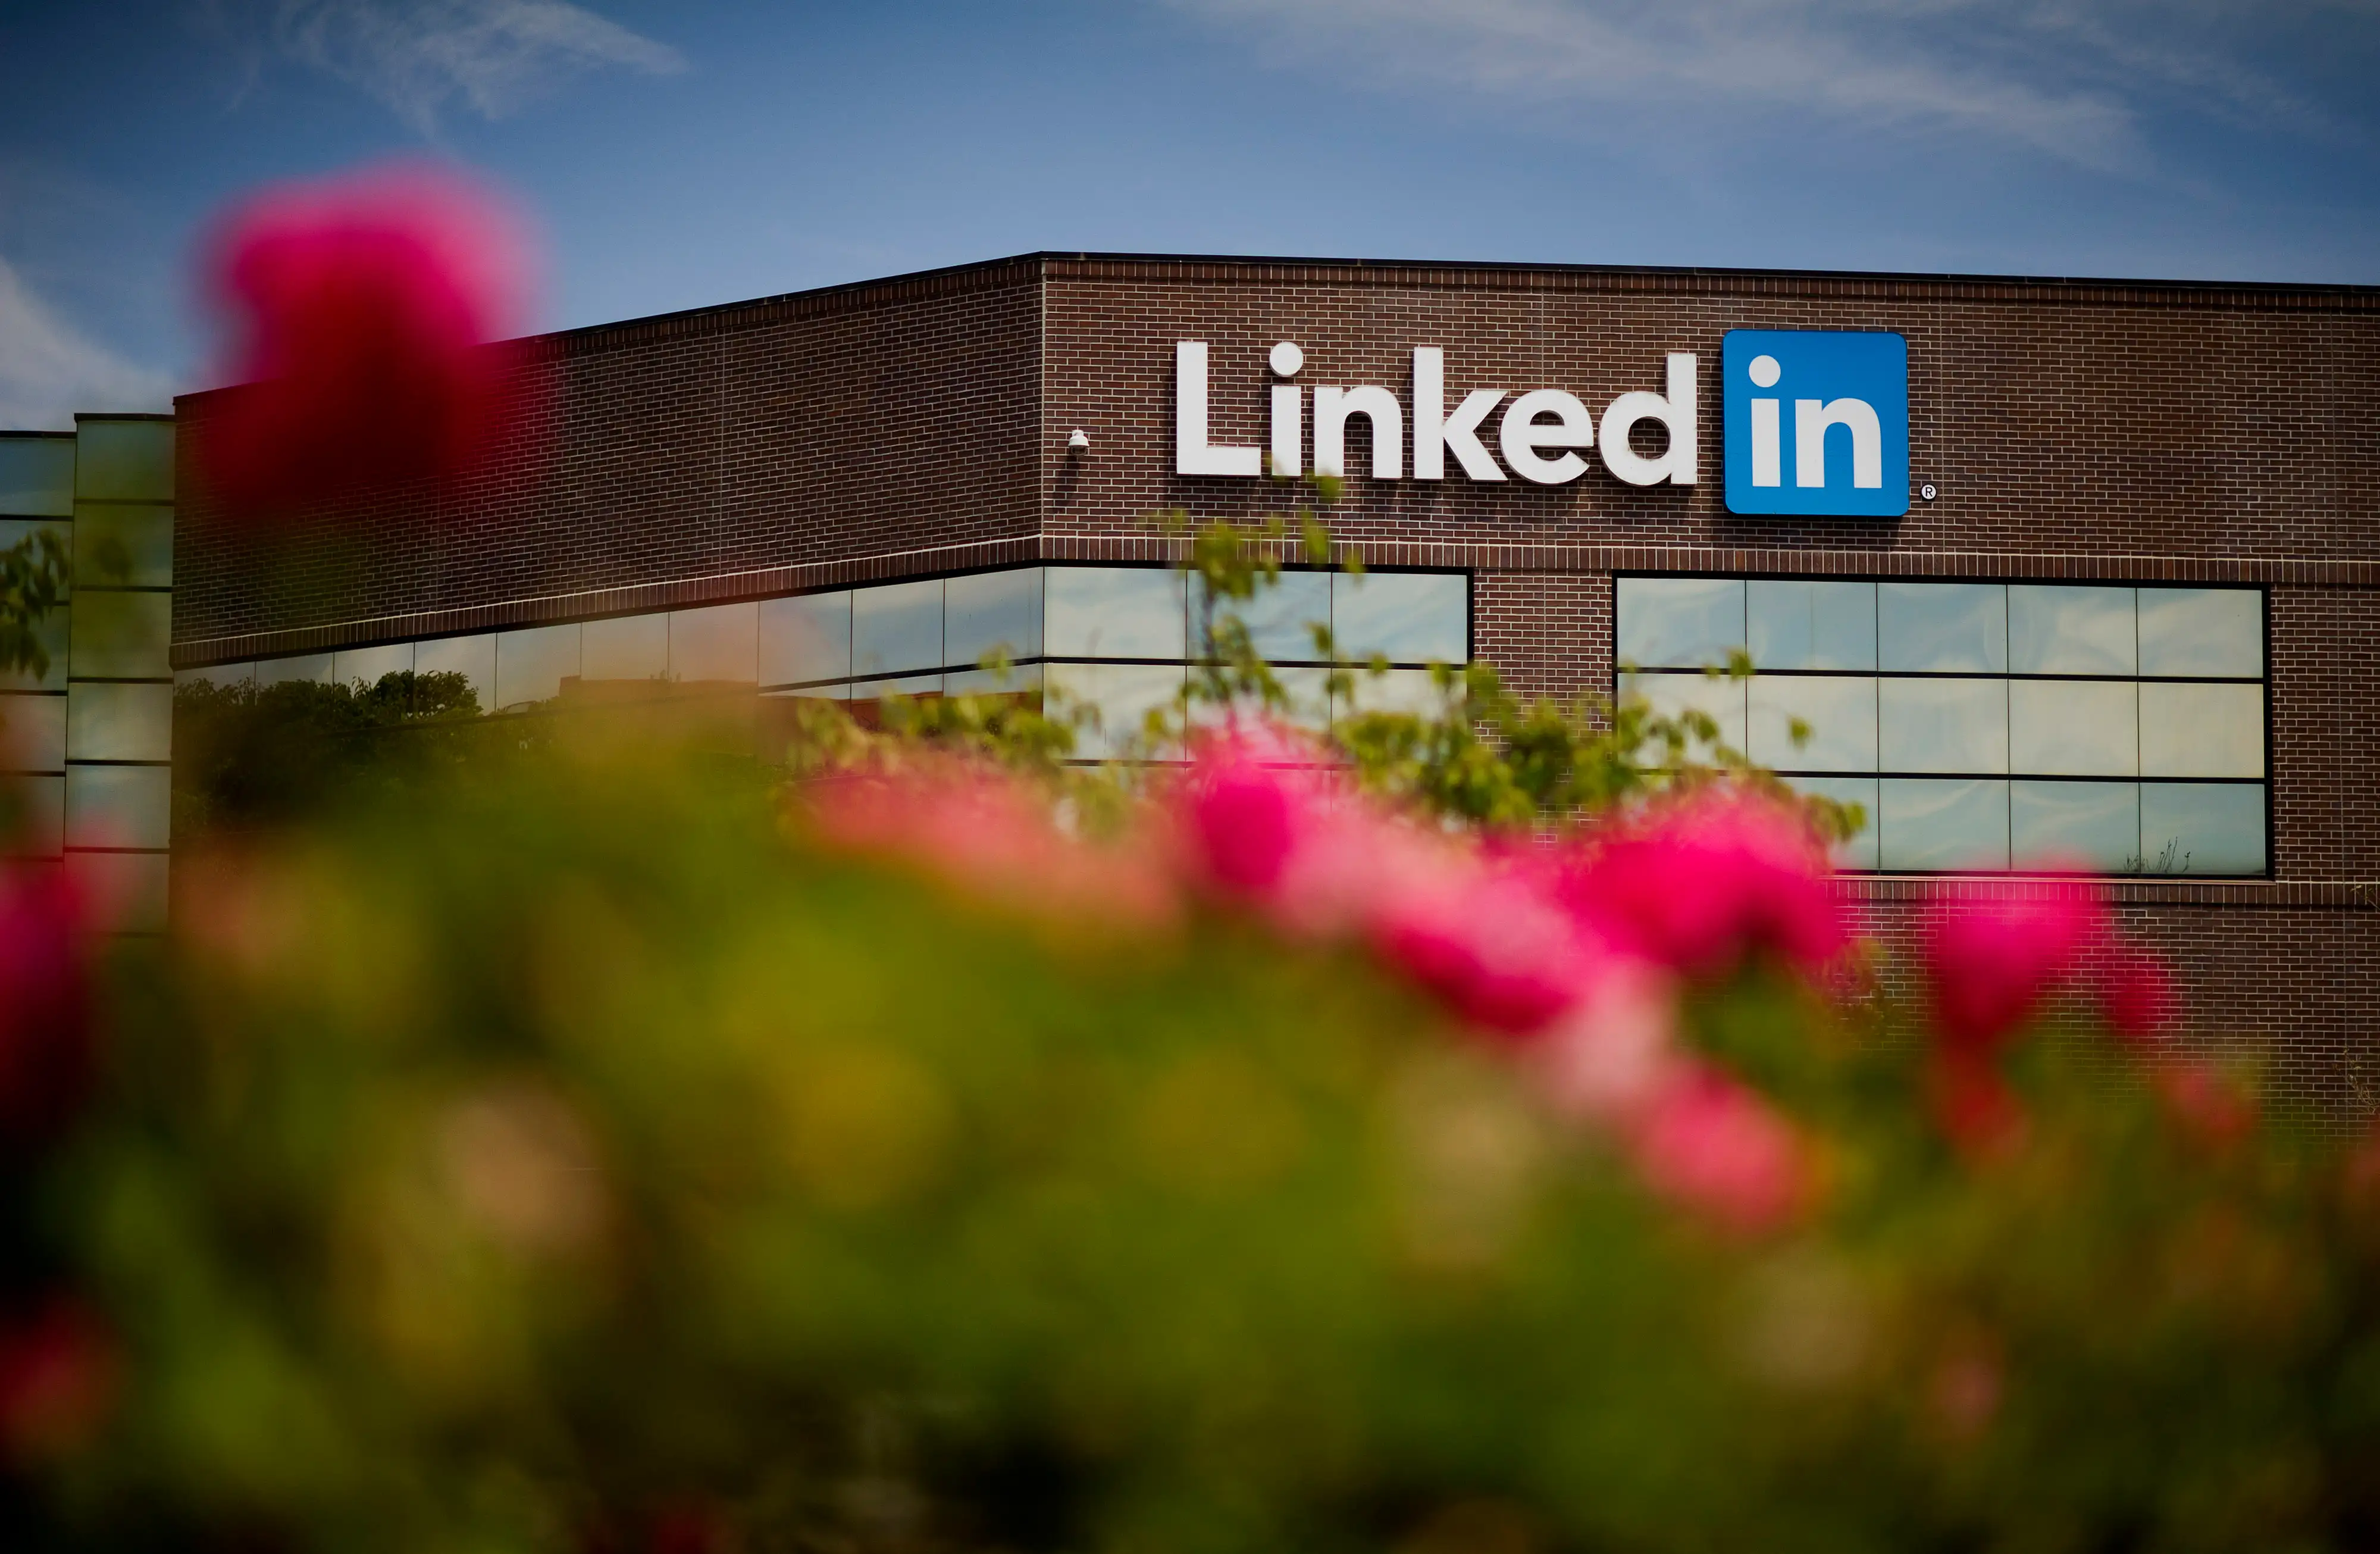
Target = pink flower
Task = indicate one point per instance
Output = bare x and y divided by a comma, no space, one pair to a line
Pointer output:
2211,1106
1492,946
360,307
58,1381
1711,1144
1702,883
1614,1051
1993,963
46,1057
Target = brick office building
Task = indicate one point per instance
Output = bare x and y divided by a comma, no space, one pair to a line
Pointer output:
2127,615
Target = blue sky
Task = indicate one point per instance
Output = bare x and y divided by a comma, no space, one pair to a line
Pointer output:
680,154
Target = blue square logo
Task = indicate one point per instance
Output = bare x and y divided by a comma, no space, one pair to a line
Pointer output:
1818,423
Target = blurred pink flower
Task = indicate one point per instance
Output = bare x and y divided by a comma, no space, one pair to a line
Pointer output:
1712,1144
2212,1108
57,1380
1615,1050
1492,945
2138,997
1700,884
1992,962
359,307
46,1057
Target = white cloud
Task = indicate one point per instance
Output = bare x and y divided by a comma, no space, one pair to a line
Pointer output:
2061,77
49,370
493,56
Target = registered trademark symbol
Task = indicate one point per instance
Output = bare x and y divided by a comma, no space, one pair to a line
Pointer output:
1926,491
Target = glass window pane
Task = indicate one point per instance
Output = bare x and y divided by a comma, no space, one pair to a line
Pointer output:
2070,629
991,611
2091,826
2202,827
1942,627
1942,724
37,812
53,634
119,806
624,647
717,644
532,664
2074,727
1929,824
121,546
369,664
472,657
1407,617
33,733
1812,625
805,638
1022,680
1716,696
123,461
1413,691
1679,622
1859,852
1309,701
1280,620
132,884
2201,731
1112,612
1122,694
37,476
315,667
218,673
121,635
912,686
118,722
2203,631
1841,713
897,627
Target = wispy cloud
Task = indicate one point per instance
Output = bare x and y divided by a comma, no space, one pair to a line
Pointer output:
2064,77
49,370
420,57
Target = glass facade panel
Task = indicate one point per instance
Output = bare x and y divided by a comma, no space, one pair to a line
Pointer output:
1859,850
912,686
217,674
719,644
33,733
1942,725
1797,625
369,666
37,477
2215,632
1839,709
123,546
2202,827
1394,691
472,657
2074,727
1721,698
805,638
315,667
1928,824
532,664
1953,628
2066,630
1680,622
897,628
1114,612
1280,620
1123,695
629,647
2201,731
119,806
1407,618
123,461
2091,827
37,807
121,636
115,721
1022,680
991,612
133,883
53,634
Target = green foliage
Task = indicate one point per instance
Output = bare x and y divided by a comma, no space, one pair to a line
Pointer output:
33,575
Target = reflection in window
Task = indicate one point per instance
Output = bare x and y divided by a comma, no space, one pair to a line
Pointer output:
1942,724
1797,625
1680,622
37,476
314,666
992,611
1859,852
369,664
1114,612
1407,618
897,628
1931,825
805,638
715,645
2074,727
1837,712
118,721
628,647
532,664
2091,826
1957,628
2066,630
1123,695
1715,696
472,657
1394,691
120,806
2213,632
1281,620
2202,827
2199,730
33,733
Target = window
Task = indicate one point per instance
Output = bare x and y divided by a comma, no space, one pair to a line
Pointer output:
1982,725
